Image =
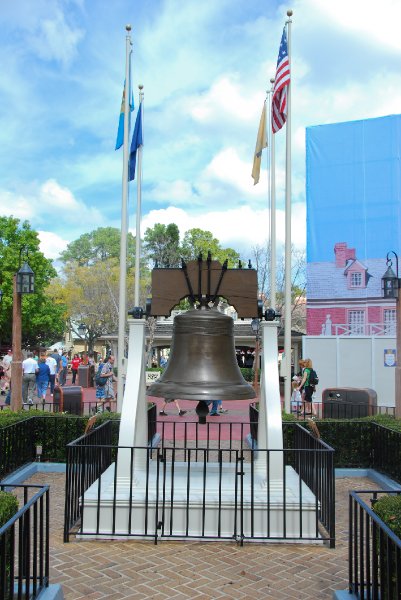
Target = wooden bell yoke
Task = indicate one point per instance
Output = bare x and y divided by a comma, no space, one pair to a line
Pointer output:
203,283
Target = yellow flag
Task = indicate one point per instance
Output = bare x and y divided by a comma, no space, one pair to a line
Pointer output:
261,142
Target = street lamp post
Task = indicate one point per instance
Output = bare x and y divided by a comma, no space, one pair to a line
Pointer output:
23,283
391,285
255,329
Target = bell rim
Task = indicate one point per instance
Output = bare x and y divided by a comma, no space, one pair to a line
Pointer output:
212,392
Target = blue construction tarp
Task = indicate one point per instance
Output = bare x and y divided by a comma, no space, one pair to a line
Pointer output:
353,187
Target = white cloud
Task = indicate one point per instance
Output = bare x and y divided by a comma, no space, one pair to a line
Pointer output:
54,38
240,228
48,202
178,191
378,22
225,99
51,244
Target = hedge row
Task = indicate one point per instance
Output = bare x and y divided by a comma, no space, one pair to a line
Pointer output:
353,440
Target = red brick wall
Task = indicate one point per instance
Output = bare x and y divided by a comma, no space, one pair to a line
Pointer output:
317,316
374,314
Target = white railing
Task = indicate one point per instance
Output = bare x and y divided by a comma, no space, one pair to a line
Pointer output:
368,329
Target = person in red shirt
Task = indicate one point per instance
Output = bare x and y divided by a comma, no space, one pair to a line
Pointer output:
76,361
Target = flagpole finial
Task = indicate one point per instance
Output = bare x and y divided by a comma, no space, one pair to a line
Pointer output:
140,86
289,13
128,27
272,80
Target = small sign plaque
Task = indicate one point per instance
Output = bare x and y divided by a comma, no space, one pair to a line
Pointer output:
390,358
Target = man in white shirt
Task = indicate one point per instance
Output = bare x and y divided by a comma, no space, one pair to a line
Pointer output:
29,366
51,362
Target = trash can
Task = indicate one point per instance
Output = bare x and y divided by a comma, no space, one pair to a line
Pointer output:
69,399
91,381
83,375
349,403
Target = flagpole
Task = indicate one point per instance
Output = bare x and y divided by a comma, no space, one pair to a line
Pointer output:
273,259
124,228
138,209
287,289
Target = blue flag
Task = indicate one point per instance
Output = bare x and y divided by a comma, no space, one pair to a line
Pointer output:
120,132
137,140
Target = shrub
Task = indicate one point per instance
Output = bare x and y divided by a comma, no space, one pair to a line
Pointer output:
388,508
249,374
8,508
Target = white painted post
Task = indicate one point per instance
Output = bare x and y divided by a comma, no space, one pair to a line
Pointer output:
134,415
270,428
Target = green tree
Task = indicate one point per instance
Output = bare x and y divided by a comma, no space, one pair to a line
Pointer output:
90,294
98,245
43,320
199,241
162,245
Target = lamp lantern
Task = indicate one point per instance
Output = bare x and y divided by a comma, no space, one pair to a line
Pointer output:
25,280
255,326
82,328
390,281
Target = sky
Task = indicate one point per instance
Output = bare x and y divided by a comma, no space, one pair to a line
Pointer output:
205,67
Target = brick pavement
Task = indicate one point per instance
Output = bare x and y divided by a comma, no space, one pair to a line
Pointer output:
203,570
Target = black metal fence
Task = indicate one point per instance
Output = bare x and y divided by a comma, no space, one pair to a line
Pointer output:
86,408
374,551
386,451
24,546
17,445
210,492
18,441
85,464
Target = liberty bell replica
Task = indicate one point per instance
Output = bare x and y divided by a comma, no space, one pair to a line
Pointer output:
202,364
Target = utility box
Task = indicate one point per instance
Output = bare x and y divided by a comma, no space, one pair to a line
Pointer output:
83,376
69,399
348,403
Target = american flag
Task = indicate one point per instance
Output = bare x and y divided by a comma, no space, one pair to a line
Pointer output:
281,83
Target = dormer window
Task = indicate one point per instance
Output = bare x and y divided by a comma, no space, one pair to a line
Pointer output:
356,279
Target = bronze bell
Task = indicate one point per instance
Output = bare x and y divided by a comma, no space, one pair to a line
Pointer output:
202,363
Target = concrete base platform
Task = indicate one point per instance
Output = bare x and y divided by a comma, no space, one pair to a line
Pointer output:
204,501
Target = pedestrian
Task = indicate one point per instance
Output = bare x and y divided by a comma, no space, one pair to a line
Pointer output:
62,377
29,368
215,408
76,361
296,398
249,360
5,382
106,392
306,389
42,378
57,357
221,409
52,364
240,358
162,412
